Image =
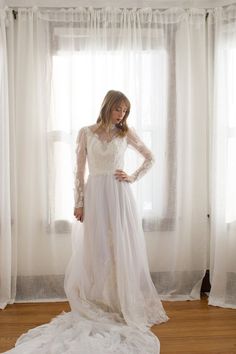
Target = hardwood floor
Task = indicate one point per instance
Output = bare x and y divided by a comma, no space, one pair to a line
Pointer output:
194,327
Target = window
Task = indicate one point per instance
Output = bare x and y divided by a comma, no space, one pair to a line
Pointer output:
80,80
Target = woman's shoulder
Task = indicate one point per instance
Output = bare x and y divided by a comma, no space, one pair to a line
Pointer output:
87,128
92,127
131,131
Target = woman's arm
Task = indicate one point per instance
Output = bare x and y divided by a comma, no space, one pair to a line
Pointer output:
81,154
134,140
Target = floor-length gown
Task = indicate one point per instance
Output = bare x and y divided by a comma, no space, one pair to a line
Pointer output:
107,282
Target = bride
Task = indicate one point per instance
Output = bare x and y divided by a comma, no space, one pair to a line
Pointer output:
108,284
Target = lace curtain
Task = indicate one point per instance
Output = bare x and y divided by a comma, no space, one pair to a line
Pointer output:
61,64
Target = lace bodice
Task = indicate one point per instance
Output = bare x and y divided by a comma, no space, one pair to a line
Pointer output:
105,154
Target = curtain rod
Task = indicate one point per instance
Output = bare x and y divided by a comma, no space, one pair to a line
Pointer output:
15,12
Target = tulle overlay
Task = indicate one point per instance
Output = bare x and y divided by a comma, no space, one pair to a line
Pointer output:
113,300
109,264
107,282
71,333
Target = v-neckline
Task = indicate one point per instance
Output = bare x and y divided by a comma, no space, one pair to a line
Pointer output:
105,141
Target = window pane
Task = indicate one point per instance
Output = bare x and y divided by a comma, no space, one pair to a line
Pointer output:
79,83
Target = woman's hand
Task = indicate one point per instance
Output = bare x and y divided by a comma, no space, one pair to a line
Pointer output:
79,214
122,176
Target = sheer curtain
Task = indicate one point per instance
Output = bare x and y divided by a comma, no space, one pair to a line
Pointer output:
41,255
64,62
159,60
222,40
7,227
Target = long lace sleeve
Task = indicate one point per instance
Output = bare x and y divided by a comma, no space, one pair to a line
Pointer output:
134,140
80,168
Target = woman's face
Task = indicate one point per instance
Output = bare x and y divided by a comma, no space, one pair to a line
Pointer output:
118,113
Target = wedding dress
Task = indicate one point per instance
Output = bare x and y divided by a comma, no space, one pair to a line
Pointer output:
113,300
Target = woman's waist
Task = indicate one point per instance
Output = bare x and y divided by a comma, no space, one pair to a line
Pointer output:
103,171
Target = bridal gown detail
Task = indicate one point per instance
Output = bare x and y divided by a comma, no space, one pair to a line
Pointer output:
107,281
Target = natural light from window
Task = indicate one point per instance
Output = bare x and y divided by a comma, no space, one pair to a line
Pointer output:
79,83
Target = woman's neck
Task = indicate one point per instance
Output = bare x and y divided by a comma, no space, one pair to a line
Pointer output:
110,128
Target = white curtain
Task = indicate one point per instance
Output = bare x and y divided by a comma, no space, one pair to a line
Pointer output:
222,36
65,61
158,59
7,226
41,255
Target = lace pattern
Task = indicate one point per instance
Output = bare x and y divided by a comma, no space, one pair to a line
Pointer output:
81,152
134,140
105,152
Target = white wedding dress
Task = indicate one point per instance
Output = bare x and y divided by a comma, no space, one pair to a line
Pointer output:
107,282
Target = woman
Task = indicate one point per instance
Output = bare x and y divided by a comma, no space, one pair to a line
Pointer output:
107,282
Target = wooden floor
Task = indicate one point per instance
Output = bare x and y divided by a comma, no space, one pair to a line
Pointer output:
194,327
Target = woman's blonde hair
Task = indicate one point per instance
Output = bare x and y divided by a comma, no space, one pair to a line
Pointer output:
112,99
